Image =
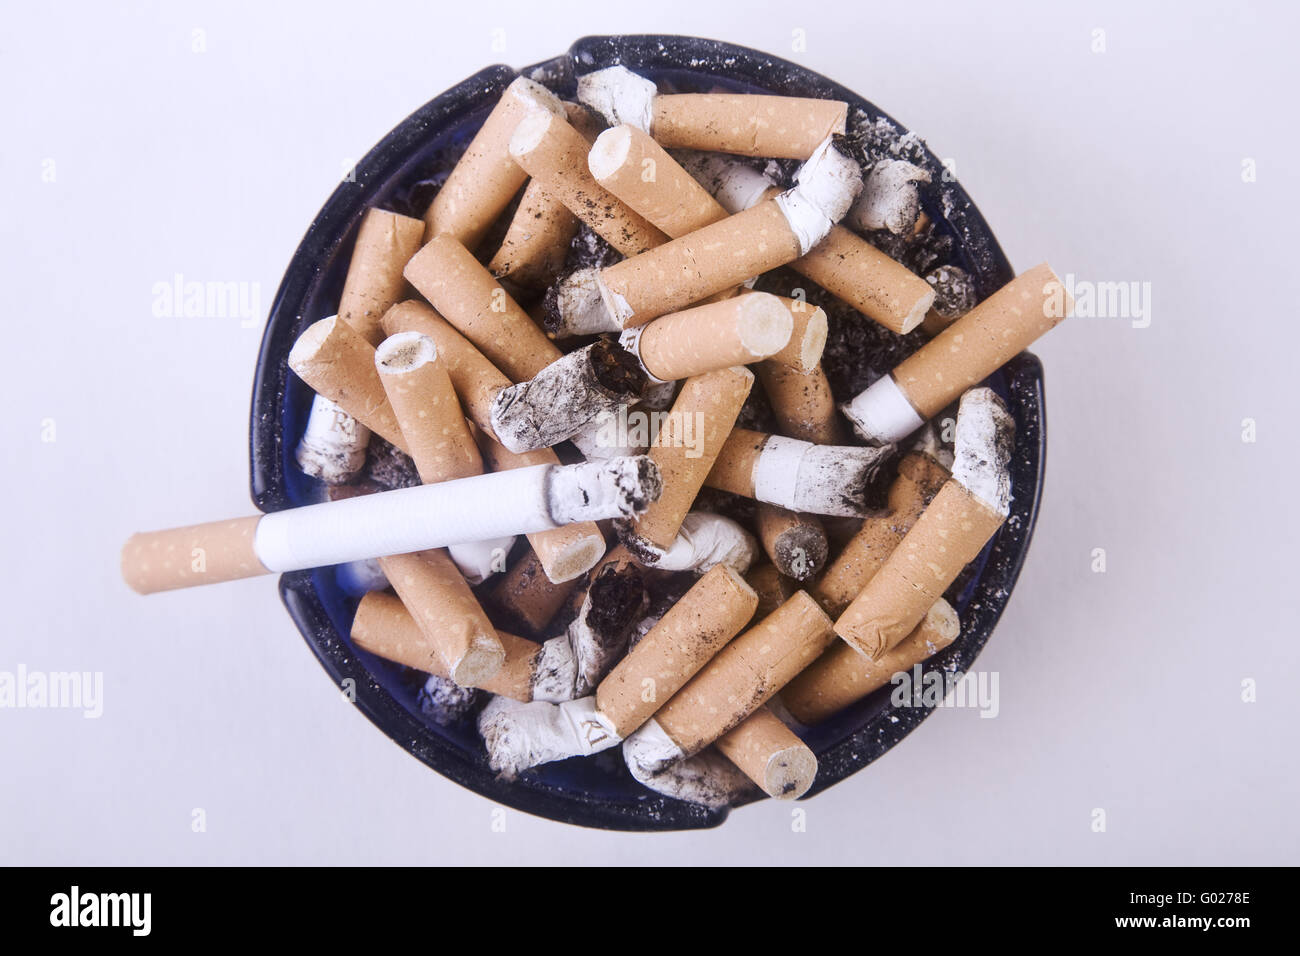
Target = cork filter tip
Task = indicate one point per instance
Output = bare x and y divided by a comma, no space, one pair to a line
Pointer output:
764,324
309,343
609,152
404,352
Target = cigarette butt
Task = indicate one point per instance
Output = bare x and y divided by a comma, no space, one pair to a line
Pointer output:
599,633
425,403
567,396
554,153
468,297
796,543
771,755
856,272
184,557
338,363
746,673
890,199
795,474
779,127
950,533
735,331
631,165
565,552
919,479
475,380
712,259
705,540
385,243
536,243
808,329
333,445
384,627
684,450
485,179
961,356
448,614
527,595
772,587
842,676
692,631
802,403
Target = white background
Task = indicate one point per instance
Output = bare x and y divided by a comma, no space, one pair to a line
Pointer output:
1120,691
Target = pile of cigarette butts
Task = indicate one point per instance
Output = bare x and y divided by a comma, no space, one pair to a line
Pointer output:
449,421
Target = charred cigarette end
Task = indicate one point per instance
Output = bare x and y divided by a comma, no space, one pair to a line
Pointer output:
446,702
575,306
985,437
795,543
705,541
620,96
600,633
333,445
518,736
890,199
595,490
707,779
566,396
817,479
825,187
954,296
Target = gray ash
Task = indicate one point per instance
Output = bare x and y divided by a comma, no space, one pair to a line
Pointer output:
388,466
445,702
954,291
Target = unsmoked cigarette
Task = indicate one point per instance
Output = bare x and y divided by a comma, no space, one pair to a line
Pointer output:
691,632
735,331
964,354
771,755
526,594
485,178
384,627
430,416
842,676
796,543
745,674
468,297
554,153
385,243
794,474
631,165
684,450
448,614
535,245
950,534
338,363
518,501
185,557
777,127
919,479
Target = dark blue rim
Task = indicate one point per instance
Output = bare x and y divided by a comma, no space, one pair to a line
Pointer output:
843,744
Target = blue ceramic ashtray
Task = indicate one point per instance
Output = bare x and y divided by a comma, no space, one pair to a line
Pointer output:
595,792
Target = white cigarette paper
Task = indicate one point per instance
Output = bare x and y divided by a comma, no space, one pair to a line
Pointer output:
518,736
707,540
333,445
519,501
